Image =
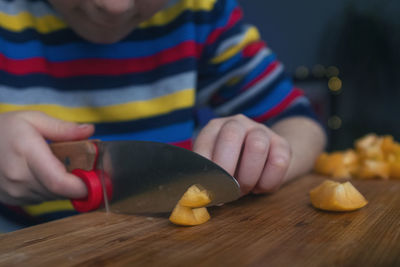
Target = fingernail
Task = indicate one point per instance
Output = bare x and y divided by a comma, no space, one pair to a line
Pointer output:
85,125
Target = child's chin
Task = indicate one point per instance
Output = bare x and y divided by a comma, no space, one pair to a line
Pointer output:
103,37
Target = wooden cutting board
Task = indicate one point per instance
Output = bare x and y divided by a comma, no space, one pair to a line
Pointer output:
282,229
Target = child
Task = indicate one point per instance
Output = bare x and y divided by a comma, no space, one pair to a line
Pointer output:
142,70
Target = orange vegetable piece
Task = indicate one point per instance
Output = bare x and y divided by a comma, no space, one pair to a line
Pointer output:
182,215
389,146
334,196
373,157
195,197
190,209
369,147
337,164
394,169
370,169
326,163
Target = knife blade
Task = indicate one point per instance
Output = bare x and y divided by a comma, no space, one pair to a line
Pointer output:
141,176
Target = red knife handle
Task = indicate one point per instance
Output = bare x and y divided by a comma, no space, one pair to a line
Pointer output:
95,196
80,157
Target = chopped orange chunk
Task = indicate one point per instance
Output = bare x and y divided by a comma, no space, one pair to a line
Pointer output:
373,156
190,209
182,215
369,147
195,197
337,164
395,169
334,196
372,169
389,146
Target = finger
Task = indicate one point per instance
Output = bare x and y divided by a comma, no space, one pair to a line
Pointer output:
55,129
31,200
52,174
276,166
205,141
17,193
228,145
38,188
18,181
253,159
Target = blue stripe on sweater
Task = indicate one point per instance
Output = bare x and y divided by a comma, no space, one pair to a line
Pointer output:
175,117
167,134
258,105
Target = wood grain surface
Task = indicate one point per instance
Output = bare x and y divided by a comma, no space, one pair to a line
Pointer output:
282,229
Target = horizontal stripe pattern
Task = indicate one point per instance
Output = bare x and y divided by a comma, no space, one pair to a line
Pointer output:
39,16
23,20
168,15
257,88
84,50
98,98
280,107
172,133
93,82
180,116
210,88
79,67
64,36
48,207
121,112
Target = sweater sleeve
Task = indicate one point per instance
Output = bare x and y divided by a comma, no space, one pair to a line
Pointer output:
238,72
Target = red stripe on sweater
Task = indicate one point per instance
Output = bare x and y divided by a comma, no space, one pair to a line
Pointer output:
295,93
184,144
236,15
98,66
253,48
264,74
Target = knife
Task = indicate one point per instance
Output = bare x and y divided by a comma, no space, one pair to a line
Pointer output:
141,176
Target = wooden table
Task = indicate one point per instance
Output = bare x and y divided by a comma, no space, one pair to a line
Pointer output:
282,229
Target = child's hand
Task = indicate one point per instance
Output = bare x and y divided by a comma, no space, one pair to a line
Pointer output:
29,172
250,151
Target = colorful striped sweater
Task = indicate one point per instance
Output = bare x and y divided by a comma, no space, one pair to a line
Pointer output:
193,55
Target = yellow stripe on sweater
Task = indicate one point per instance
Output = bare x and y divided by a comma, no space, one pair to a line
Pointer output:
26,20
113,113
49,207
50,23
250,36
166,16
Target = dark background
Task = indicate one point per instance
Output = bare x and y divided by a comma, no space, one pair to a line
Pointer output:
346,56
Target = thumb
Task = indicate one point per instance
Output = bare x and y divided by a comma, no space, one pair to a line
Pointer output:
55,129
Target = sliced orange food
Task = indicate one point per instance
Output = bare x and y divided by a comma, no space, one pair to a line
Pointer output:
373,169
394,169
326,163
337,164
369,147
195,197
334,196
190,209
389,146
182,215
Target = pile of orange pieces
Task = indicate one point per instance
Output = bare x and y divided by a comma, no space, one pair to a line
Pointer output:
373,156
